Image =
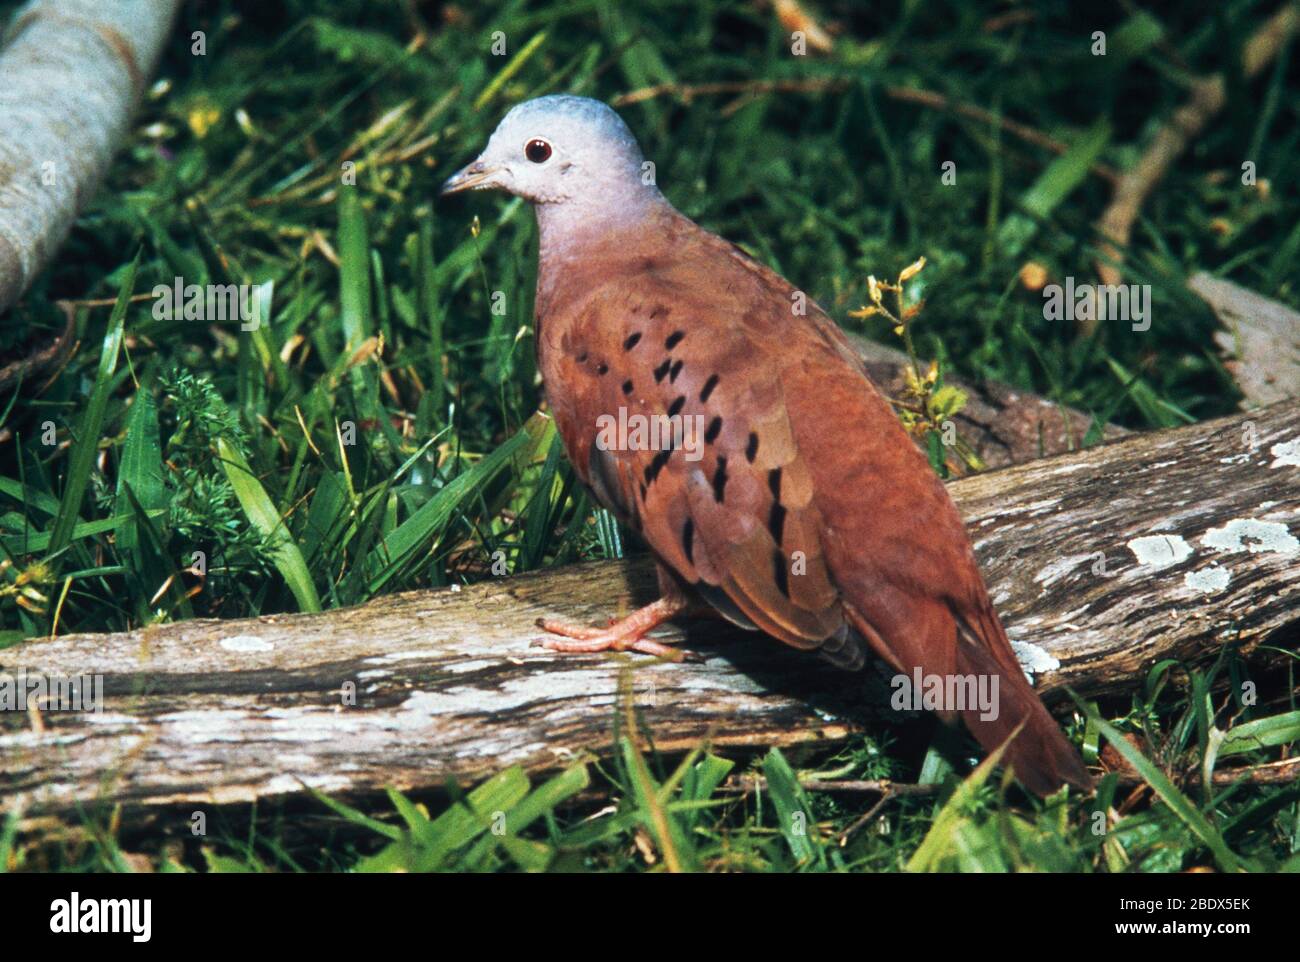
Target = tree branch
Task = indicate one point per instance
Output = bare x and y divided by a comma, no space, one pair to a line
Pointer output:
71,73
1163,545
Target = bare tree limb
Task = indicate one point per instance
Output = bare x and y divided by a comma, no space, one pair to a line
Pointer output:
1165,545
71,72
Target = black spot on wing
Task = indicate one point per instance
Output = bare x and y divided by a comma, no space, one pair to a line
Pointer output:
712,431
776,521
780,574
657,464
720,481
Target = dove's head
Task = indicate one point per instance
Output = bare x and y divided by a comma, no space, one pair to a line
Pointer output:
561,150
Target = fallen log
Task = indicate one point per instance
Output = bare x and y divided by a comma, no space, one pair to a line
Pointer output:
1163,545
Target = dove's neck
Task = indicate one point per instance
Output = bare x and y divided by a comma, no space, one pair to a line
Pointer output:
581,234
575,226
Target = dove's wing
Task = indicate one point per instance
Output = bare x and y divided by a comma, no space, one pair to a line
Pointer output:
722,495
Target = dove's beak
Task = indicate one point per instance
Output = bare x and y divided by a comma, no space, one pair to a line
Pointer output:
476,175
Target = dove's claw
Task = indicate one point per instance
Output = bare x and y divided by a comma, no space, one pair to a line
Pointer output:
627,634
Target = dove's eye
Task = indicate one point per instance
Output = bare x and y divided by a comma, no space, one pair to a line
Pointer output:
538,151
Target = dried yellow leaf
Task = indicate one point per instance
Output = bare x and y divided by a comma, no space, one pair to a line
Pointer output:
911,270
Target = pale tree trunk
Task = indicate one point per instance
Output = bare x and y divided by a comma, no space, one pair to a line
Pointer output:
71,73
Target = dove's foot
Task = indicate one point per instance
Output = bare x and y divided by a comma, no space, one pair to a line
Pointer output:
627,634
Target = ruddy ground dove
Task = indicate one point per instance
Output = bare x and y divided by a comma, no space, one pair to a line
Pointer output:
804,510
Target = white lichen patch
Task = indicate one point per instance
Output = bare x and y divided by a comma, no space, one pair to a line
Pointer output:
464,667
1058,569
533,748
1207,580
1027,623
203,726
1236,458
708,681
1034,659
1160,550
552,688
1033,508
1249,534
1071,468
298,726
1286,454
246,643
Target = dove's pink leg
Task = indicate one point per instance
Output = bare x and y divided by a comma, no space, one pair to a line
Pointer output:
627,634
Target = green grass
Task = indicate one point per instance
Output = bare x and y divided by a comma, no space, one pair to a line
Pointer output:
376,433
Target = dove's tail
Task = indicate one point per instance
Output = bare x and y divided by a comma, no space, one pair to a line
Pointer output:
1040,754
976,650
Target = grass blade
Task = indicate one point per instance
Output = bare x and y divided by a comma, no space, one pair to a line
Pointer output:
92,421
794,820
263,516
1262,733
1056,183
141,469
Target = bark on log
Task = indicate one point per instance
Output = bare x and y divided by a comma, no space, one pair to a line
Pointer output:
71,73
1160,545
